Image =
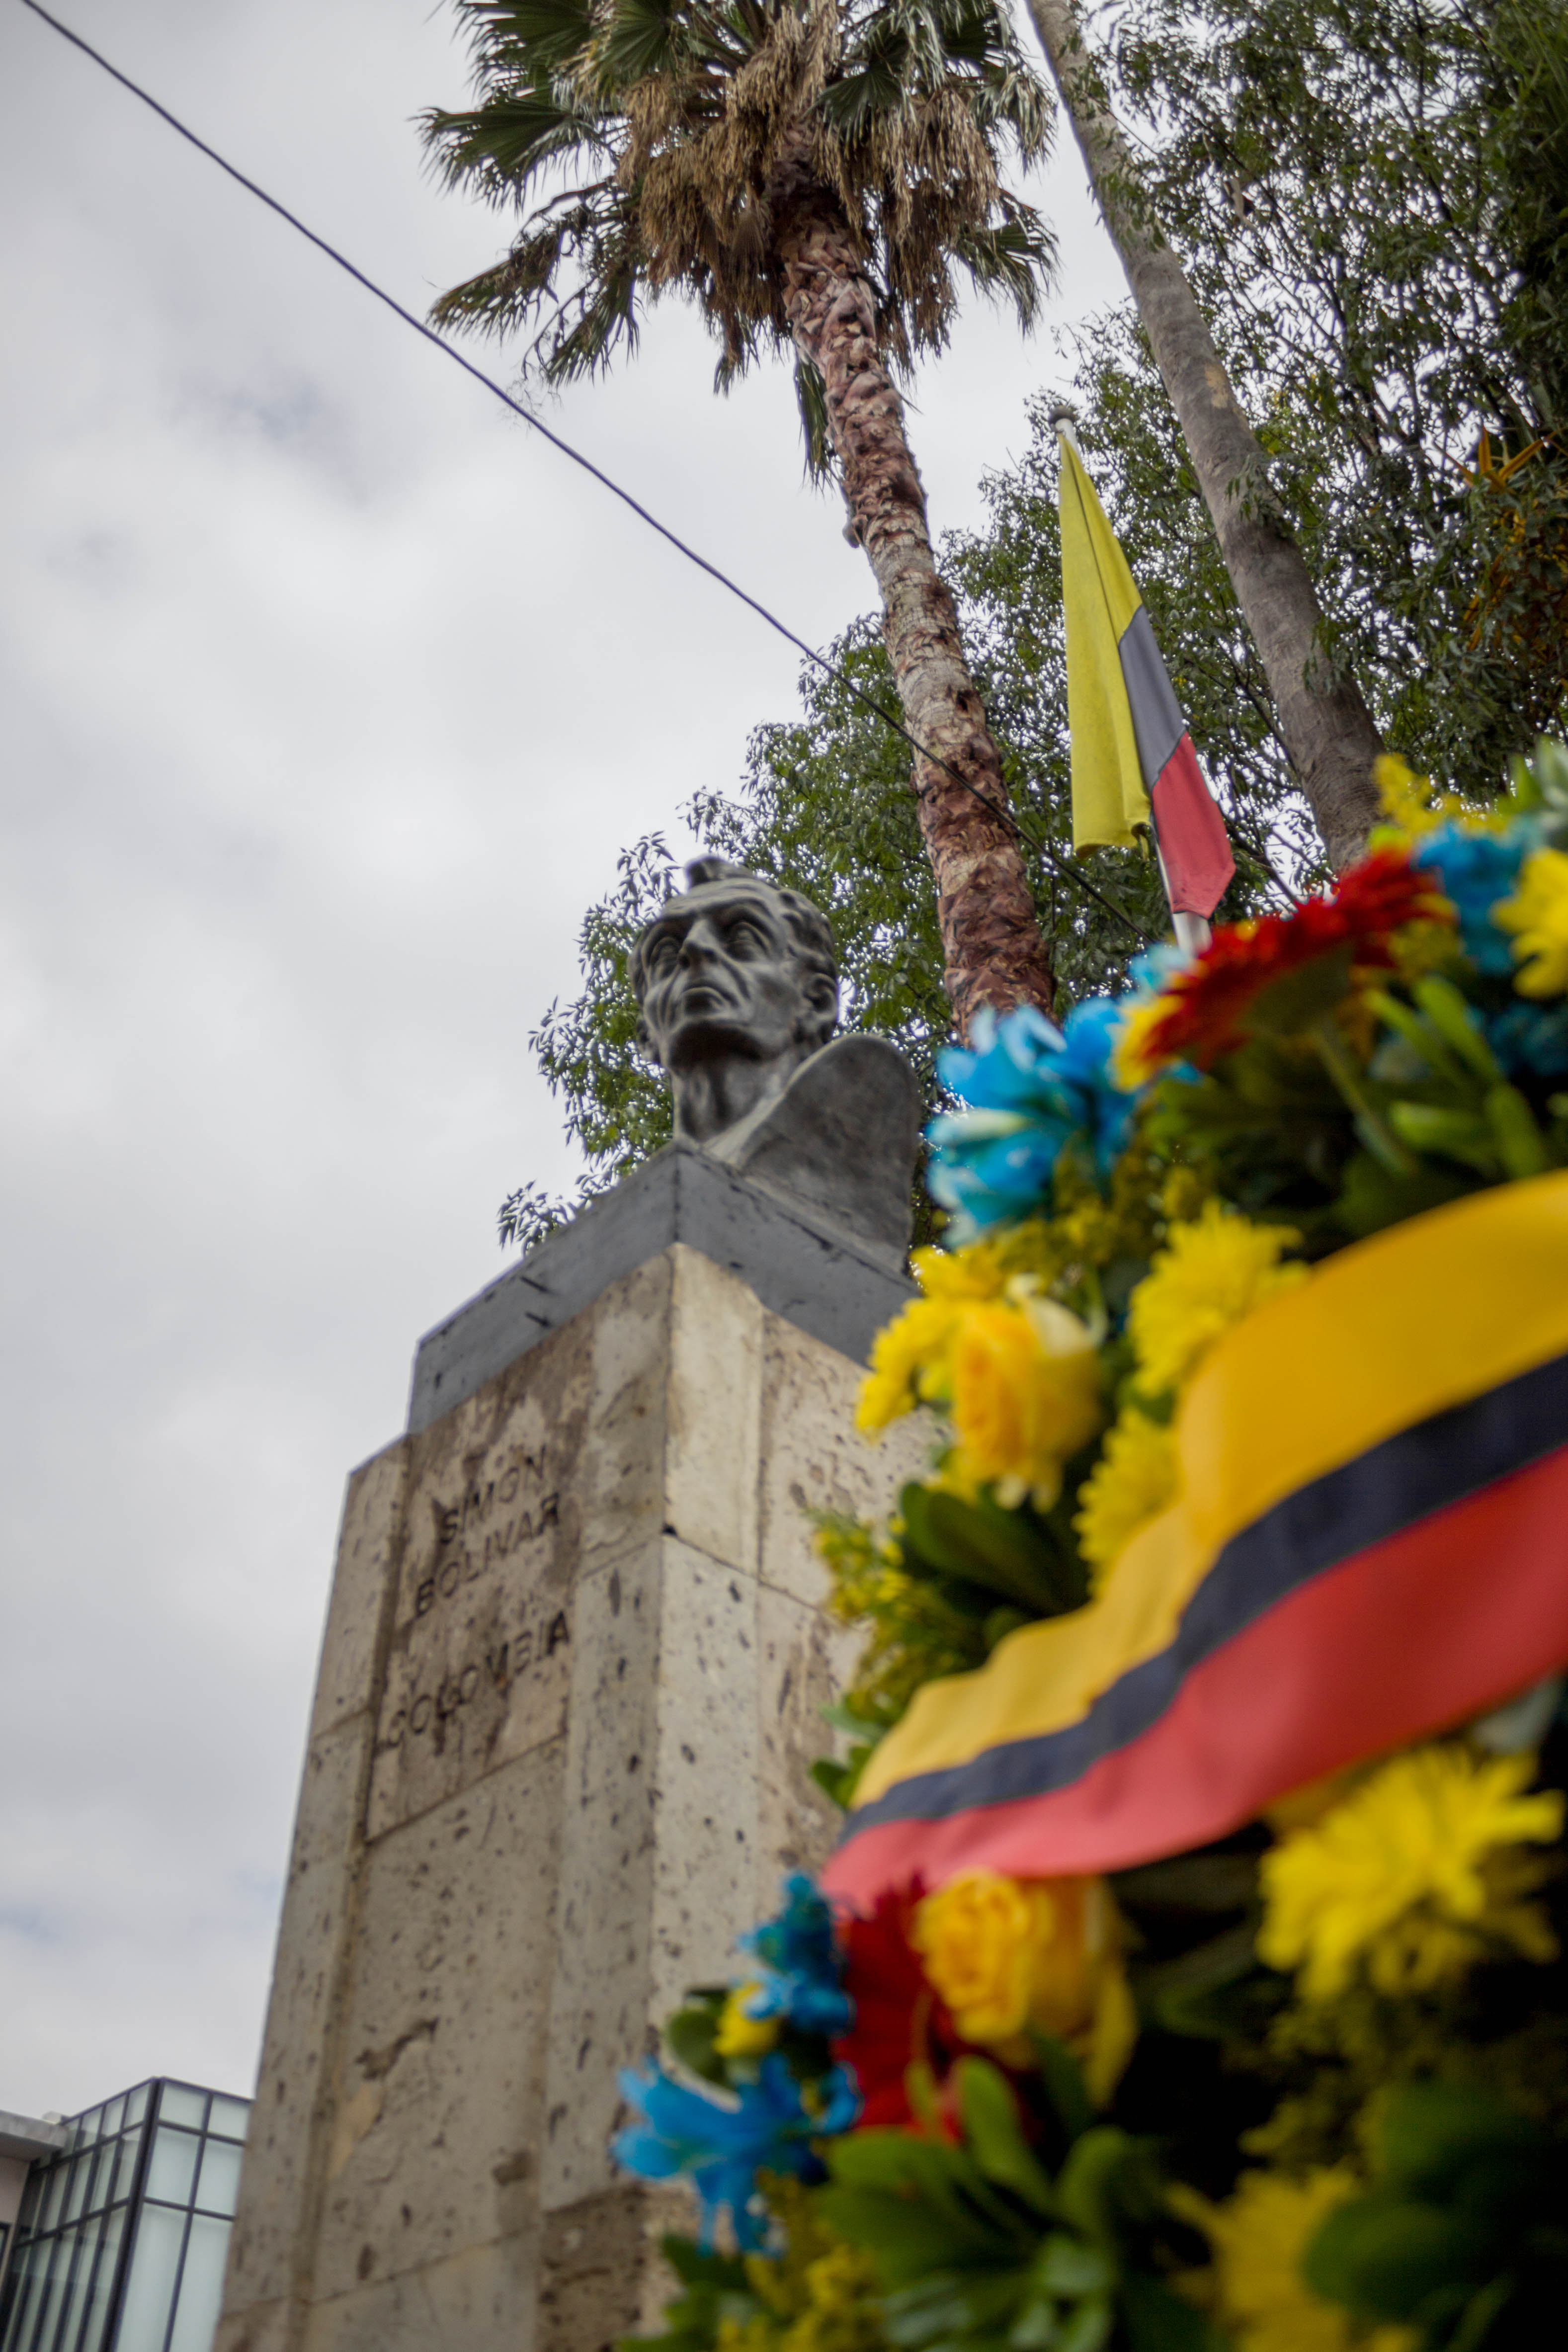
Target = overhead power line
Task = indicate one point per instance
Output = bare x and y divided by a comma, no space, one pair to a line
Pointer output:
410,318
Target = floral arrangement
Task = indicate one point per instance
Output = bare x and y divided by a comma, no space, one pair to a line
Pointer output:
1190,1974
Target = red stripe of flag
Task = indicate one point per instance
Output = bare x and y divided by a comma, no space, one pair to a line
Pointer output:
1193,844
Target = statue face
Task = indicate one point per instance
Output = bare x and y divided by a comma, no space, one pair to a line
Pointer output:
722,976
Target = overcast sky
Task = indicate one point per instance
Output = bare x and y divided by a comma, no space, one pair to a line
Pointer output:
330,694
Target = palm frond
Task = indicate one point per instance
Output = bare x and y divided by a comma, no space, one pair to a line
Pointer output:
1013,261
811,400
509,35
643,38
500,147
876,87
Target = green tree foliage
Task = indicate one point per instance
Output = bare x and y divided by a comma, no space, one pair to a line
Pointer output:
1372,199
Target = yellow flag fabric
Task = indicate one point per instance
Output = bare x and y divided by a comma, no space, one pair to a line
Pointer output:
1099,600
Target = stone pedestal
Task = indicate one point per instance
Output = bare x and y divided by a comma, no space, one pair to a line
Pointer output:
570,1688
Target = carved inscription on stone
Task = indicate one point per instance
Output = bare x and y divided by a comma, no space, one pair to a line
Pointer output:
480,1657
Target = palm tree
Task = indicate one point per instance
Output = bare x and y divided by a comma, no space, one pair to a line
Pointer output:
1329,734
810,172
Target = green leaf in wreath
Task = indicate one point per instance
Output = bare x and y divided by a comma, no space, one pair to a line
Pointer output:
1004,1551
1065,2088
690,2034
1384,2254
993,2135
1431,2135
1157,2320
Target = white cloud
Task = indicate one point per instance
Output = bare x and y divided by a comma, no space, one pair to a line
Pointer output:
330,694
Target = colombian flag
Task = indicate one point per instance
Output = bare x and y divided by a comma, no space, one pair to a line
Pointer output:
1129,744
1370,1546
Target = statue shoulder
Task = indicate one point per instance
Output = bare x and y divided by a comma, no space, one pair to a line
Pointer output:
841,1139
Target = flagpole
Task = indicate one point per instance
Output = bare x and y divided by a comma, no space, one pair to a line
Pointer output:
1193,933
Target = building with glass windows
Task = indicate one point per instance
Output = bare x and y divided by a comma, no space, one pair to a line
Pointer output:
122,2231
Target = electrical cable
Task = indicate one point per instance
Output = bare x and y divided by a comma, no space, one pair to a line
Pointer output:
996,808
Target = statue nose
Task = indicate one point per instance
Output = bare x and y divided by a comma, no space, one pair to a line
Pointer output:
699,946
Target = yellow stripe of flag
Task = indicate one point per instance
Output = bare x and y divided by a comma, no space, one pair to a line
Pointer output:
1100,599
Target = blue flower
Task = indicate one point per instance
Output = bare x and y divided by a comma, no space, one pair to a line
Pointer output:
1531,1039
1155,970
1477,870
1033,1090
723,2148
800,1964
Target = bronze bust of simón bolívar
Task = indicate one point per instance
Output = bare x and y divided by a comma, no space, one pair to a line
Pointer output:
737,989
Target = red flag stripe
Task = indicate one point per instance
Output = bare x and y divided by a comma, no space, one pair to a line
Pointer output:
1193,841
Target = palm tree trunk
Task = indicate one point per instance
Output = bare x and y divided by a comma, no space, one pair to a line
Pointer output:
992,948
1326,727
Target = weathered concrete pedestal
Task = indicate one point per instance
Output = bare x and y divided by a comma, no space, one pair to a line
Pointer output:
569,1688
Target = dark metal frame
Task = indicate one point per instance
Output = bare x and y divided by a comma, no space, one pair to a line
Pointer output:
77,2300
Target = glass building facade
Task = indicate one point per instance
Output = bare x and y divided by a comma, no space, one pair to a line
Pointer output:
122,2238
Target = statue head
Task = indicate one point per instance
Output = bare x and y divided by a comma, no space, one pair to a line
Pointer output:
737,985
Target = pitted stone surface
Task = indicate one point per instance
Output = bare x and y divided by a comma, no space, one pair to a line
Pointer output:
572,1683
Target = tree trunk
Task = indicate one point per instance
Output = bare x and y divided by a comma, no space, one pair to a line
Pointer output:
1325,724
992,948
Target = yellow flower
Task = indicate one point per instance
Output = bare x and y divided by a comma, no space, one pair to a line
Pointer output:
819,2294
844,2304
910,1355
1416,1875
1214,1273
1025,1396
739,2035
1008,1953
1133,1479
1538,914
1259,2237
977,1272
1131,1064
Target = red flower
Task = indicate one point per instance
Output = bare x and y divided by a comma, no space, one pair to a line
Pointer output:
1206,1004
898,2020
898,2017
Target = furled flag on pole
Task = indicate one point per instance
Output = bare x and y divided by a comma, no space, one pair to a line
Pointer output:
1131,748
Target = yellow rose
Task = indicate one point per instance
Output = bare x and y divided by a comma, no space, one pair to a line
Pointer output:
1025,1395
1008,1953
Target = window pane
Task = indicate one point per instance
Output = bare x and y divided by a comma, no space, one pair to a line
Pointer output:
181,2105
220,2176
174,2165
21,2296
33,2198
55,2195
103,2284
230,2117
125,2165
102,2175
58,2256
150,2289
92,2125
81,2285
136,2104
81,2173
201,2286
113,2115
